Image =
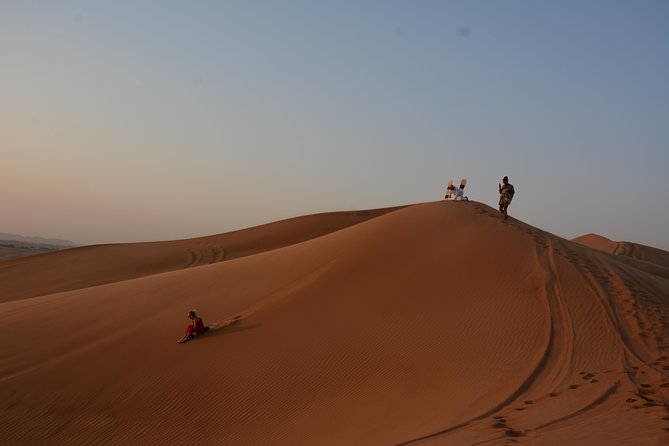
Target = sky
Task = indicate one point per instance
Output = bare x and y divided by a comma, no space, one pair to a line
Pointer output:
153,120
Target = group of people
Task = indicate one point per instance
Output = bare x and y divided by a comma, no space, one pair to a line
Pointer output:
506,193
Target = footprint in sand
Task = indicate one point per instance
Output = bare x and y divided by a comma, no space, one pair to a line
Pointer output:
513,433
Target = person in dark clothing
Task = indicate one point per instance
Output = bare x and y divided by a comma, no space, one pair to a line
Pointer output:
506,193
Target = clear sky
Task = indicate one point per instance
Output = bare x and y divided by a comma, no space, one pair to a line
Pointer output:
138,120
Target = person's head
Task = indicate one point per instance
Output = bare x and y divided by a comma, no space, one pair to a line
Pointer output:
505,180
192,314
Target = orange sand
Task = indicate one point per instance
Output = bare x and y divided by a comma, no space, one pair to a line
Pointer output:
437,323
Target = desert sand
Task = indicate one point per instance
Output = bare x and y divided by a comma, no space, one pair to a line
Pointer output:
432,324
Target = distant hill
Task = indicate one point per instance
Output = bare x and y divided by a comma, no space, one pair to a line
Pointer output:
14,245
626,249
36,240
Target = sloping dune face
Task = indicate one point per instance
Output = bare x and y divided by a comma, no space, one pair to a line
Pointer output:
96,265
438,323
627,249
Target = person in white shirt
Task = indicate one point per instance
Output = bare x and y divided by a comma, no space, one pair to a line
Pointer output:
456,193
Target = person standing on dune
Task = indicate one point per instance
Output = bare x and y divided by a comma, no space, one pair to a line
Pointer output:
506,193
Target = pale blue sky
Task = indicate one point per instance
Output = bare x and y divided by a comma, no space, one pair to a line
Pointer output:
131,121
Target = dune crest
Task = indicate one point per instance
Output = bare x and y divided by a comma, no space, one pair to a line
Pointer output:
437,323
89,266
628,249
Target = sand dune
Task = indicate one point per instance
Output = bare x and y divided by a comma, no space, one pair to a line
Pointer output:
628,249
437,323
95,265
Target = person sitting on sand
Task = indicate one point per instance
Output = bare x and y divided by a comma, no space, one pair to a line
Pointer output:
506,194
456,193
195,327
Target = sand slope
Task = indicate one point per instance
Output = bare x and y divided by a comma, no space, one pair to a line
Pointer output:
437,323
628,249
95,265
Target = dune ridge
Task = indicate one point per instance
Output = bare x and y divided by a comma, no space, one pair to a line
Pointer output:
94,265
628,249
437,323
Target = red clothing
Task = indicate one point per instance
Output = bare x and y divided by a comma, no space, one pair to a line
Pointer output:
196,327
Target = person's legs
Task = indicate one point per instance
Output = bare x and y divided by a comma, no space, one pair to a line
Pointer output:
503,204
186,337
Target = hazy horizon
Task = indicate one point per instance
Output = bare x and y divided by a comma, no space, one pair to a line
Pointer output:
127,121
